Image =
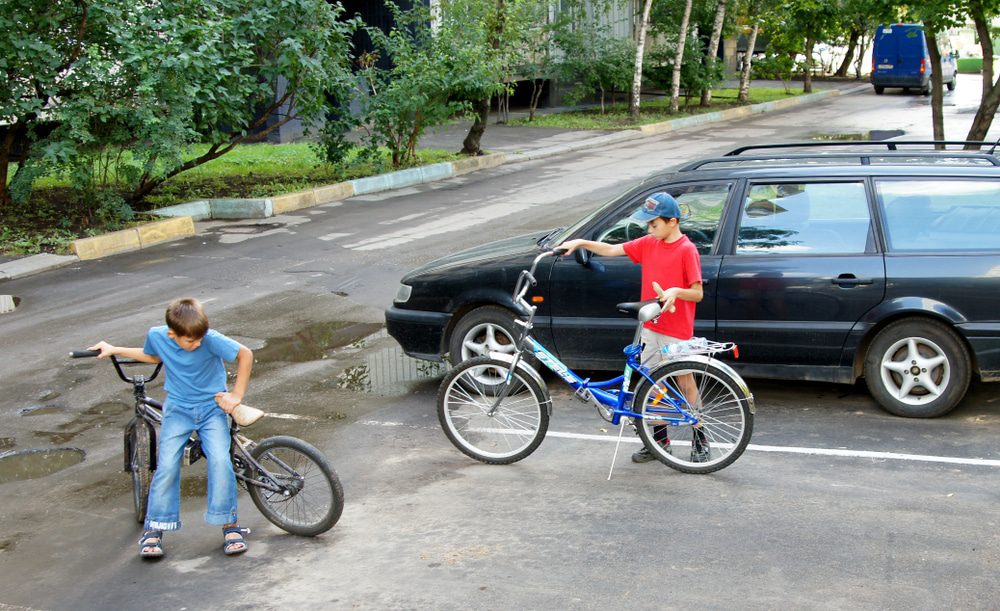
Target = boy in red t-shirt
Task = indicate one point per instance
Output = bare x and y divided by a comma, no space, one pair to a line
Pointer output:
670,259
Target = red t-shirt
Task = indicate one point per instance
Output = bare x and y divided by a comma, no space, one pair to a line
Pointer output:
675,264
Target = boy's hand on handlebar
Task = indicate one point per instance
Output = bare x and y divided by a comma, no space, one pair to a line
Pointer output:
104,348
567,247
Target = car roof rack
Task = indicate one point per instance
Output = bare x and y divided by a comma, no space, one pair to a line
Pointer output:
892,148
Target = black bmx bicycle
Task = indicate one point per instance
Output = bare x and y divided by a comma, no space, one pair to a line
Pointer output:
289,480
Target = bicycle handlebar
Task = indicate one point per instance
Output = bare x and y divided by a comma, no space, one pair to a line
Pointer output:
80,354
527,278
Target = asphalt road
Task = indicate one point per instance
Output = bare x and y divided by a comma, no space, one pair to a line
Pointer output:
835,505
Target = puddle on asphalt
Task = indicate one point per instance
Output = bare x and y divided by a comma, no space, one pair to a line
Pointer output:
388,371
314,342
94,417
40,410
35,463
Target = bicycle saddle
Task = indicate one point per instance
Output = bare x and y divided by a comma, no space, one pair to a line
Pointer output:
634,308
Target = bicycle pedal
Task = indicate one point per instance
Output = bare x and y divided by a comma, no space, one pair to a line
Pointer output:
583,393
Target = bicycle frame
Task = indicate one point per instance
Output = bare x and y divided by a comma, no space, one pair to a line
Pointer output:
151,411
613,393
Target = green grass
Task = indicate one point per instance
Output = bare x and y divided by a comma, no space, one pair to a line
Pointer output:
55,215
616,116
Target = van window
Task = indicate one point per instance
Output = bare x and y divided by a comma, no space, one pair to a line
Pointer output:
940,215
805,218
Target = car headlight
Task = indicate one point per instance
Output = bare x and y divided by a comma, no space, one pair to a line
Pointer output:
403,294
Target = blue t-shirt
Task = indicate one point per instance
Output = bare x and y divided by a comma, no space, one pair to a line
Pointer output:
192,378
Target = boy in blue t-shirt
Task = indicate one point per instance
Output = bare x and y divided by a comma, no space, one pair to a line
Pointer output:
197,400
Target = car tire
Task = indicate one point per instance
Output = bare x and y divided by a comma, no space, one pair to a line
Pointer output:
480,331
879,90
951,84
917,368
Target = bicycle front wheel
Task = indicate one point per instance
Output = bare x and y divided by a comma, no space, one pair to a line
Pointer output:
310,498
140,448
496,434
706,391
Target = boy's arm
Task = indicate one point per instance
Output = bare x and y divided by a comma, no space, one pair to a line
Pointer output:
130,353
598,248
244,364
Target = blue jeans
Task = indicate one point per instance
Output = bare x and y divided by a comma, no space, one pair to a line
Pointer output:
212,424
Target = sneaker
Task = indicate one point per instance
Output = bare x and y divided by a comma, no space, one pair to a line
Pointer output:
700,449
644,455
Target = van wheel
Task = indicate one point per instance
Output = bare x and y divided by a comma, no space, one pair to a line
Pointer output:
879,90
951,85
925,90
481,331
917,368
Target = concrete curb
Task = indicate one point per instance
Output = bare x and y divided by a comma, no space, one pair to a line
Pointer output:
180,218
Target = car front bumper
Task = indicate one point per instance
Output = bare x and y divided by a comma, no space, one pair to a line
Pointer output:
420,333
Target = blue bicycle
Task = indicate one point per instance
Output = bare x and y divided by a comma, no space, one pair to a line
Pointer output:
693,412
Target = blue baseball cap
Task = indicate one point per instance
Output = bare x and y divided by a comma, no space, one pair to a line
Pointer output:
657,204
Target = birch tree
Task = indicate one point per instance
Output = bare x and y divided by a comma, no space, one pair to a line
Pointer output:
640,45
675,88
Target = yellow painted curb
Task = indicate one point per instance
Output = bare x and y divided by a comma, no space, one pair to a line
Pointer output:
464,166
107,244
165,230
333,193
292,201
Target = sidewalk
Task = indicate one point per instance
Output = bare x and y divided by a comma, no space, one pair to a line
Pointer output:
505,143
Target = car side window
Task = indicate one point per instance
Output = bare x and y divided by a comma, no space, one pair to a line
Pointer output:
804,218
940,215
701,210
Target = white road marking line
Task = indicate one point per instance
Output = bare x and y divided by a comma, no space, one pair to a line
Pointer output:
839,452
445,224
845,453
288,416
333,236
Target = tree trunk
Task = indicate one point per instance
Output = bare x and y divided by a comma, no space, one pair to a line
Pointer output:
640,45
984,116
713,48
986,44
849,55
859,64
937,97
744,95
537,85
470,146
6,152
675,87
807,80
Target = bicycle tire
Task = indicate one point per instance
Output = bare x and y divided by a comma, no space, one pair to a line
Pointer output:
140,467
725,415
515,429
314,497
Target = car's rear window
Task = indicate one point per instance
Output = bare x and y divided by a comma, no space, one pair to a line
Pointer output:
940,215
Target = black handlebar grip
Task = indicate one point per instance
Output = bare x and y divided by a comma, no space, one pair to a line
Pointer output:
559,251
79,354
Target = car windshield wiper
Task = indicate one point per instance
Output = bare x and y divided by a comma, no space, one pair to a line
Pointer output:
542,240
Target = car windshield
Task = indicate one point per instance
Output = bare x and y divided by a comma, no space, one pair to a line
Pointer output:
562,236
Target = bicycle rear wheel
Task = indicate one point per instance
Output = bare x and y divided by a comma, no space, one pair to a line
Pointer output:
140,447
723,408
310,499
514,429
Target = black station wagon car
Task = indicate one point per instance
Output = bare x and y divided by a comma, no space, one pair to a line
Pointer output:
824,262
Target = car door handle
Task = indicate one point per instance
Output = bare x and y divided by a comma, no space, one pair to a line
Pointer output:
848,280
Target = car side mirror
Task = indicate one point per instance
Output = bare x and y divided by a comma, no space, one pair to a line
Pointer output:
582,256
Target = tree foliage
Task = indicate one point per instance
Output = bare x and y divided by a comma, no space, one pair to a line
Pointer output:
113,92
